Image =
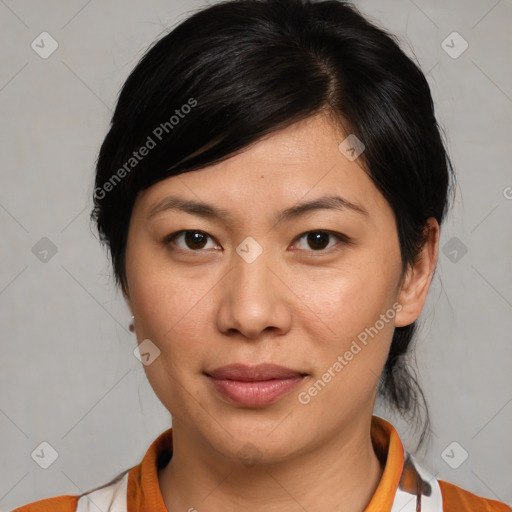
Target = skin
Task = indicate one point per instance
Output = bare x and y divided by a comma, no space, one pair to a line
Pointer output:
204,306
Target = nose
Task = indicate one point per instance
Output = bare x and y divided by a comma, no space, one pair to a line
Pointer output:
255,298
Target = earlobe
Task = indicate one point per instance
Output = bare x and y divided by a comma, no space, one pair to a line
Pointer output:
416,283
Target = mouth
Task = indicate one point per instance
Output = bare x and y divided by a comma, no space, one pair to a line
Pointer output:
254,386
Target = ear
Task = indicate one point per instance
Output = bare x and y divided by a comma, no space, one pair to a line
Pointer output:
416,282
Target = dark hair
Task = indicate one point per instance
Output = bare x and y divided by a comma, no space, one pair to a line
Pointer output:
242,69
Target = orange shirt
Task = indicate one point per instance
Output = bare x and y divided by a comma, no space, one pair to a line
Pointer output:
405,485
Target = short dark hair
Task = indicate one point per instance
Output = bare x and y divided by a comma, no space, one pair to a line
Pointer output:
241,69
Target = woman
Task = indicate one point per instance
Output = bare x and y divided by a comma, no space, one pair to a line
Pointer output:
271,191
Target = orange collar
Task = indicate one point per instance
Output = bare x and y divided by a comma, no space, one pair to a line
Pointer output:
144,492
388,447
404,486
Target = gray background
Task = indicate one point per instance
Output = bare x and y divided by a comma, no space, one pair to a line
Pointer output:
68,375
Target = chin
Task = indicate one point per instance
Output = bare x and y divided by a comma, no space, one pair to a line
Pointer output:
251,440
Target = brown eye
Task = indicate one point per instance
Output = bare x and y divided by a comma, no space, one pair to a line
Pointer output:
193,240
319,240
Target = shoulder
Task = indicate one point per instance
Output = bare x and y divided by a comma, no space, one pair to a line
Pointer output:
456,499
56,504
111,496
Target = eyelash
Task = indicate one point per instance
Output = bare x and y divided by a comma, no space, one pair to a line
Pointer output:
343,239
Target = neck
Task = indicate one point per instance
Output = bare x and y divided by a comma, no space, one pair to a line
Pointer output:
341,476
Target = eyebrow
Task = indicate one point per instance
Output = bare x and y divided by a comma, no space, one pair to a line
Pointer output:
209,211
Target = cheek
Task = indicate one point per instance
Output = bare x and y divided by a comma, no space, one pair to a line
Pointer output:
171,312
172,308
343,316
159,295
358,310
348,299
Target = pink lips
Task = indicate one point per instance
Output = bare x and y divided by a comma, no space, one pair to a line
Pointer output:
254,386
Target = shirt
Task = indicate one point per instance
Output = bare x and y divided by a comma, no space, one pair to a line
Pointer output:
405,486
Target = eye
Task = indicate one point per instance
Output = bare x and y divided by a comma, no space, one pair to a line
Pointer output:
197,240
194,240
318,240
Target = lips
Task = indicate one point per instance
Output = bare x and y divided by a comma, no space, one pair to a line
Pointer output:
254,386
260,372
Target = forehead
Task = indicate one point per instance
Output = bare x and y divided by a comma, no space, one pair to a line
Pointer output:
298,163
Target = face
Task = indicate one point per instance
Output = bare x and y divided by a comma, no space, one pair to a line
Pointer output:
317,292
